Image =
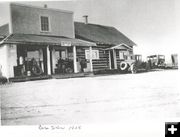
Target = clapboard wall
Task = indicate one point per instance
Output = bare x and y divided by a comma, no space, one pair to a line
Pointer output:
26,20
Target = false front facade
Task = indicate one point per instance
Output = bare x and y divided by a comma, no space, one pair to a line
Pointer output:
41,41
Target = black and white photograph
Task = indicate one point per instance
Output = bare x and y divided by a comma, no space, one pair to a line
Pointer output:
69,64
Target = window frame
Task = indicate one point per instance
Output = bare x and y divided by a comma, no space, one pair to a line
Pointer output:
121,54
124,54
49,23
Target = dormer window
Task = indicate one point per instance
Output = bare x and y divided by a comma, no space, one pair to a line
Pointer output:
44,23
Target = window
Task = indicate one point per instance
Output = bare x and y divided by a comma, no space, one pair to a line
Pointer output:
123,55
44,23
95,54
63,54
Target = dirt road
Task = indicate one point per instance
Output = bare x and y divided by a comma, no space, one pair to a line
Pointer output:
113,98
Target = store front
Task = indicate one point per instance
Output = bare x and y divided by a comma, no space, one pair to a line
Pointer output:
42,55
63,62
31,60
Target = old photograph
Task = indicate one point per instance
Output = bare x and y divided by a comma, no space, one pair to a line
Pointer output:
88,61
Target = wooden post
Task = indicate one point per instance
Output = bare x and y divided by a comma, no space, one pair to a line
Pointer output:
66,53
74,59
41,58
48,61
110,59
115,61
5,62
90,59
53,61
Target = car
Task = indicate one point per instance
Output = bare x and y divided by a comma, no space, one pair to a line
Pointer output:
134,64
156,61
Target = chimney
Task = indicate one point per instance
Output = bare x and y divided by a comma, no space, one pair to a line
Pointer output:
85,19
45,5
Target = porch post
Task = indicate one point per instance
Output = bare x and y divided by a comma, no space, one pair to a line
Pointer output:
53,61
48,61
66,53
115,61
90,58
109,59
74,59
41,58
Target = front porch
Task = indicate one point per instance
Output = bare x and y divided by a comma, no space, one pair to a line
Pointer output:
117,54
42,57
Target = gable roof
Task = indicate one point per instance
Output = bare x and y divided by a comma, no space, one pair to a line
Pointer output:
4,30
101,34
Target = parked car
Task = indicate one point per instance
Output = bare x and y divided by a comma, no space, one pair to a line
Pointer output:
156,61
134,64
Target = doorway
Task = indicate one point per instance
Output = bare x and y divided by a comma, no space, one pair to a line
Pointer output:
31,61
63,60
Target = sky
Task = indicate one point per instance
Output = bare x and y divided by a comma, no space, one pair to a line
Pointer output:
151,24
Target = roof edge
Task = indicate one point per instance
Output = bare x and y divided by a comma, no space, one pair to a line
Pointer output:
94,24
105,26
6,40
38,7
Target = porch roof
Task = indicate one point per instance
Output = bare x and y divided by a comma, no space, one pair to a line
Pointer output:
46,40
121,46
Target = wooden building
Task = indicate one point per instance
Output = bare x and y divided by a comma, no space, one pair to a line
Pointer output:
36,40
112,46
43,41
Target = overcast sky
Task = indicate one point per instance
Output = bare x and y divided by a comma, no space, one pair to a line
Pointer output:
151,24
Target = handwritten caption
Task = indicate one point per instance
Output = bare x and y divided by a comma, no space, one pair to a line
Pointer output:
60,127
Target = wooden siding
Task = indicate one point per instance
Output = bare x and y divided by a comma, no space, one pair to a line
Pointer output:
98,64
103,62
81,52
26,20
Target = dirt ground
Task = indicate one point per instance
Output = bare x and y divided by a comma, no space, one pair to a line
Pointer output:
102,99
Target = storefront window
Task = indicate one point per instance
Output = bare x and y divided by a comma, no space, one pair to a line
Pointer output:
30,61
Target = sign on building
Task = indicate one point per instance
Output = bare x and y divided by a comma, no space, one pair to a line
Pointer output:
95,54
66,43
